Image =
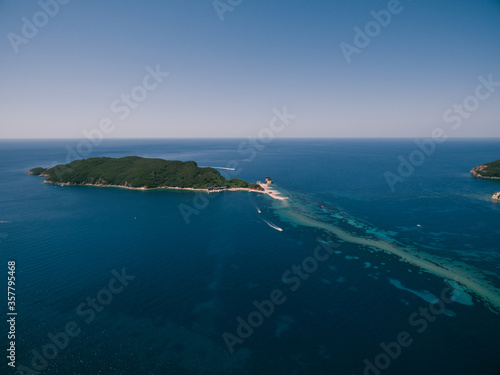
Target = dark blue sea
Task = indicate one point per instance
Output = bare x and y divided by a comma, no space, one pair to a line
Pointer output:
362,278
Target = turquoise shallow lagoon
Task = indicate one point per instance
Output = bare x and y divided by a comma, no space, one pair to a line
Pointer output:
191,284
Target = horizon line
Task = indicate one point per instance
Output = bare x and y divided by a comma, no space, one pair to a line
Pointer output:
237,138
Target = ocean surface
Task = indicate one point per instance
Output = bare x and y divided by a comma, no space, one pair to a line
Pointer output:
362,279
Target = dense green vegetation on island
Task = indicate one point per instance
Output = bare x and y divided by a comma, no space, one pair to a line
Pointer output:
489,170
134,171
37,171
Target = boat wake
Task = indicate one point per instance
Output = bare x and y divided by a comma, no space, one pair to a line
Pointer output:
273,226
228,169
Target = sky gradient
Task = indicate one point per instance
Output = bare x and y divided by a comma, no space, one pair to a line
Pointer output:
227,76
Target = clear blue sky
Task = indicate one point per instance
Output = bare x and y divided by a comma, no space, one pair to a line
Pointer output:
226,77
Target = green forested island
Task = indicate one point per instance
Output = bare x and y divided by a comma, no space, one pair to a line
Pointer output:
137,172
490,170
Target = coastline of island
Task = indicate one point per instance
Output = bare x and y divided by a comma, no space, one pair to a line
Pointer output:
489,171
147,174
271,192
477,172
268,190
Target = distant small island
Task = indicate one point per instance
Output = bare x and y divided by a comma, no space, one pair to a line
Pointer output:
135,172
489,171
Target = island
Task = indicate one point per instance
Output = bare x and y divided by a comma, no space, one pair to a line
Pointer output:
134,172
489,171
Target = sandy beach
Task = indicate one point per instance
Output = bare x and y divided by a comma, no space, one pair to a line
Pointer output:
272,193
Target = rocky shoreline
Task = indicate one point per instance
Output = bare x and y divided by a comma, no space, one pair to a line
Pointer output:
476,172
